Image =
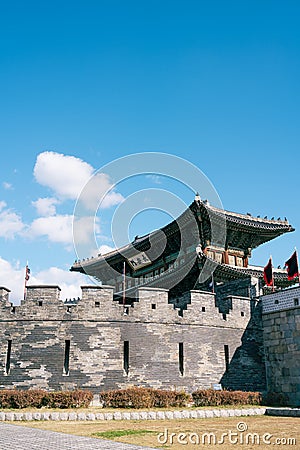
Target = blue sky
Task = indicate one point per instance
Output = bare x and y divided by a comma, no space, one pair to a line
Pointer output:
85,83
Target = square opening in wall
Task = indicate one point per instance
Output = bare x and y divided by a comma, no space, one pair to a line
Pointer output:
153,306
242,314
97,304
40,302
296,301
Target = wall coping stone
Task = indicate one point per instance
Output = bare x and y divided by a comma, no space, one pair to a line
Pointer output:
146,415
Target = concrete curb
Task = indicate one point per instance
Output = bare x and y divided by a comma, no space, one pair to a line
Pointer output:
142,415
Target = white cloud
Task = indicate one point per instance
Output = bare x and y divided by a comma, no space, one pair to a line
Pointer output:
156,179
10,223
72,178
55,228
85,229
98,192
46,206
65,175
111,199
7,185
103,249
13,278
62,229
2,205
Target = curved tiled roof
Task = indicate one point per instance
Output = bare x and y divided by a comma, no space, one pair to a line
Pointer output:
242,231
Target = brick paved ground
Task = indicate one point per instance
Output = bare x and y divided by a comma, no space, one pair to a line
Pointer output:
14,437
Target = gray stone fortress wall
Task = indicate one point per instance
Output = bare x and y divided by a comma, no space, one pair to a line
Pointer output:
281,326
91,343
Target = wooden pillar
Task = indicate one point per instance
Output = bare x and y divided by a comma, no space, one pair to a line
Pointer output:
225,257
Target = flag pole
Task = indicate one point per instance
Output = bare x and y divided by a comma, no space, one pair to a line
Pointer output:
297,259
273,287
124,283
25,280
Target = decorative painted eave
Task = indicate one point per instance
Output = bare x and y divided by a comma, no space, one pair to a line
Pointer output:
227,272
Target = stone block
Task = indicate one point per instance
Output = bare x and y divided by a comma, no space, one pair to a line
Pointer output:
10,416
27,416
260,411
200,414
223,413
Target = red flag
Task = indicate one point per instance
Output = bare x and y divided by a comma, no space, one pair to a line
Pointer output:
268,274
292,266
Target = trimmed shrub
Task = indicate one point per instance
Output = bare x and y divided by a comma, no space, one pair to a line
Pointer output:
128,398
36,398
165,399
13,398
69,399
138,397
210,397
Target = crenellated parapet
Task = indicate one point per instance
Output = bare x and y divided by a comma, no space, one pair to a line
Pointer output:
4,298
97,303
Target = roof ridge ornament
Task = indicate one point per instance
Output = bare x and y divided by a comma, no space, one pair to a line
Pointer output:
197,198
